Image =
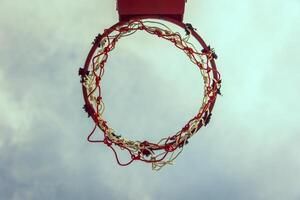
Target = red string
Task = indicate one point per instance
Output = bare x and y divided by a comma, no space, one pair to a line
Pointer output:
170,143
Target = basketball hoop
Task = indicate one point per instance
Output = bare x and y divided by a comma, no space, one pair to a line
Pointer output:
140,18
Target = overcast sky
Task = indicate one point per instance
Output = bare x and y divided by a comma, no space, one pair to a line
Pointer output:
249,151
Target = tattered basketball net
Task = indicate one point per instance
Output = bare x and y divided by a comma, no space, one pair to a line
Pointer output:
166,150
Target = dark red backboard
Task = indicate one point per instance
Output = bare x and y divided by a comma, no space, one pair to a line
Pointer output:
167,8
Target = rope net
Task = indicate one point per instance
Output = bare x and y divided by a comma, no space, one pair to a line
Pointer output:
166,150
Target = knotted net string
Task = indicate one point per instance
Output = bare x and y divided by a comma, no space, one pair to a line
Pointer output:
167,149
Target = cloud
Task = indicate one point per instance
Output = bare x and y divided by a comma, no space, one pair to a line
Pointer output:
248,151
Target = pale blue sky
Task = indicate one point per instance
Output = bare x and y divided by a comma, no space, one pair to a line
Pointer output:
249,151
